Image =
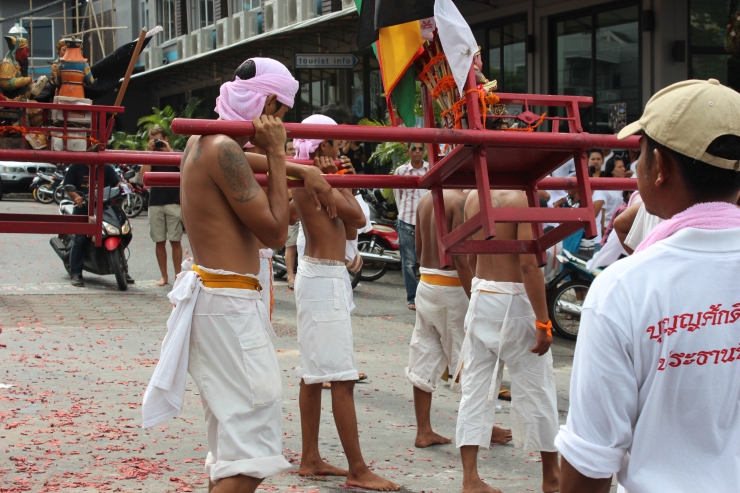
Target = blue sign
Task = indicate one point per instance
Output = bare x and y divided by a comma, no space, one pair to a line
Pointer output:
325,60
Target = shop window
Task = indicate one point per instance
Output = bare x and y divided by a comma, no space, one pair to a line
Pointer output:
504,53
708,20
597,53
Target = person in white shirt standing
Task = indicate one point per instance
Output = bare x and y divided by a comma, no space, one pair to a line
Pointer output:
654,395
407,201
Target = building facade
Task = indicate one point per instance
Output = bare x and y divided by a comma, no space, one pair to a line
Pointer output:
619,53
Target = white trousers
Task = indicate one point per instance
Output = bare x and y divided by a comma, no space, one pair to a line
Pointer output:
232,360
324,327
266,279
438,335
500,328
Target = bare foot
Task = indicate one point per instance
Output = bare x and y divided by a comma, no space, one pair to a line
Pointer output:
320,468
500,436
478,487
162,282
551,486
371,481
430,438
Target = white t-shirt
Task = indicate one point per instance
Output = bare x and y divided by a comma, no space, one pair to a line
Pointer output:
599,195
565,170
613,200
642,226
606,158
653,397
633,168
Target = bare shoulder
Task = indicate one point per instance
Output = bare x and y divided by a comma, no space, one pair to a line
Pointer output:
509,198
425,201
472,204
233,168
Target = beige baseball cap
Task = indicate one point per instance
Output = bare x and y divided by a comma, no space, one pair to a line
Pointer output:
687,116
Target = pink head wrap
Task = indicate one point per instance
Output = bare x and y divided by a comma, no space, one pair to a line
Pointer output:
242,100
304,147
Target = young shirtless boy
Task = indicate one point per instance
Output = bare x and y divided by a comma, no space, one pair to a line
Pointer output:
441,304
324,327
507,319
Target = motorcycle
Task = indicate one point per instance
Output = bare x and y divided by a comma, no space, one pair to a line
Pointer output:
136,201
566,292
45,186
109,258
378,248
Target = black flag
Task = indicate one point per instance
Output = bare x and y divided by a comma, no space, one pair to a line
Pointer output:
384,13
111,69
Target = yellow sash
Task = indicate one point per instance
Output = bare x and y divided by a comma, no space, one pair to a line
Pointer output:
211,280
438,280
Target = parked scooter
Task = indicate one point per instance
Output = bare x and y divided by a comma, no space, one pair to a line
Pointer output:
566,293
379,247
109,258
45,186
136,201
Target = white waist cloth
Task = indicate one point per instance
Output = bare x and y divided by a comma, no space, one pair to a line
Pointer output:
439,272
324,327
266,281
500,328
438,333
265,252
165,393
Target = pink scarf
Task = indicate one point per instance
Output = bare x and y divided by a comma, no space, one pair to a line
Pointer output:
305,147
708,215
241,100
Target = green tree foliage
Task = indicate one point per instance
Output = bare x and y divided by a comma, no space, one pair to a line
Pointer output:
163,118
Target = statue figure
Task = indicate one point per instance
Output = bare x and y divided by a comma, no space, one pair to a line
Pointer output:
14,81
74,70
480,79
56,76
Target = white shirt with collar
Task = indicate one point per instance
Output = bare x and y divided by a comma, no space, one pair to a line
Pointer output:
654,393
408,200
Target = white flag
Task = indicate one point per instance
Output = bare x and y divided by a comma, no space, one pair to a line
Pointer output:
457,39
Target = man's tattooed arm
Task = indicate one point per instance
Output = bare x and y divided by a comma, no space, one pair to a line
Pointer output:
236,171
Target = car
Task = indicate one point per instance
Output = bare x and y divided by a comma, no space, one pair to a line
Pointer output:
16,177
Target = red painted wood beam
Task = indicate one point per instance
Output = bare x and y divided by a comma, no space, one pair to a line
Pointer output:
408,182
491,138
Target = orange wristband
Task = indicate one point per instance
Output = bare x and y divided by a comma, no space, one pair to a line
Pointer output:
547,327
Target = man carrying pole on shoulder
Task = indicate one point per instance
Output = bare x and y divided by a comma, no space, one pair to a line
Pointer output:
219,330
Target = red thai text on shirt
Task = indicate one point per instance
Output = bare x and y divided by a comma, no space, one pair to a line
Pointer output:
694,321
715,356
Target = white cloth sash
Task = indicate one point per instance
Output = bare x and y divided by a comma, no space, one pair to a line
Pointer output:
165,394
509,288
265,252
439,272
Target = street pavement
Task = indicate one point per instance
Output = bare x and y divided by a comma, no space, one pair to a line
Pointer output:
76,363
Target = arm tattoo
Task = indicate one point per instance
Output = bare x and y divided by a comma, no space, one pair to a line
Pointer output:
236,172
185,155
461,216
196,153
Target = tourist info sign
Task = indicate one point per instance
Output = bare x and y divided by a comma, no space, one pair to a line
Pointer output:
325,60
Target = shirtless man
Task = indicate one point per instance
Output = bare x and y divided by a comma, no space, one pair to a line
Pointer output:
324,326
441,304
227,214
507,319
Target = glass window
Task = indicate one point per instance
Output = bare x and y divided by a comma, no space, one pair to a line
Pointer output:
708,20
241,5
41,38
504,53
166,19
597,55
144,13
205,11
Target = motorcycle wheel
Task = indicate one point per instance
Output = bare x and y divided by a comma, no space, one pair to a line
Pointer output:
132,205
565,307
371,271
355,278
59,194
118,262
44,194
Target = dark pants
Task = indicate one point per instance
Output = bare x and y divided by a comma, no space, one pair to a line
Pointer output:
79,242
407,244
